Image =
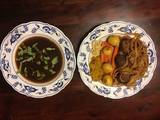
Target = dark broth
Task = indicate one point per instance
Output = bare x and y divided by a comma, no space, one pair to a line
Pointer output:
38,59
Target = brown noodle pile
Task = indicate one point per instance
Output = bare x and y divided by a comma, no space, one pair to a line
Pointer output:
131,61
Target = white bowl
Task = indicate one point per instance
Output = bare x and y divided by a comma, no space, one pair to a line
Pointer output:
83,58
17,81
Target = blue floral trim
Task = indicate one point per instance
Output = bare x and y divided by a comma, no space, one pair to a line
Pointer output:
14,80
116,27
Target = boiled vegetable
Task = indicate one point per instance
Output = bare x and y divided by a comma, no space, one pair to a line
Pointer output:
104,58
107,68
107,51
114,40
107,80
97,74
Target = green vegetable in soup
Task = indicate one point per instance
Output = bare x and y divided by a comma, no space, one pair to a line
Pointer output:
38,60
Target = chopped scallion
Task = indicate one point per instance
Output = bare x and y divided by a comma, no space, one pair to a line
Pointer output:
45,62
49,49
54,60
20,68
38,62
34,45
25,72
38,73
46,58
52,71
46,67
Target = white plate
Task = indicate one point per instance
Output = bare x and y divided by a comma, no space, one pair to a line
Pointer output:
7,68
115,27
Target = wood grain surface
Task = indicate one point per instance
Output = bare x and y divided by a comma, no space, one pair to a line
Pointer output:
76,18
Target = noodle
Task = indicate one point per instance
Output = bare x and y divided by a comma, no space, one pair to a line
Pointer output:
136,61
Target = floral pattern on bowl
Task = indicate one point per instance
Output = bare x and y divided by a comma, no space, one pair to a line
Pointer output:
7,48
115,27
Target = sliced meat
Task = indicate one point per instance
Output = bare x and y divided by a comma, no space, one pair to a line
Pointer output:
120,60
125,45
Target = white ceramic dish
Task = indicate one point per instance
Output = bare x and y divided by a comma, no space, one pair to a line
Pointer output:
83,58
15,37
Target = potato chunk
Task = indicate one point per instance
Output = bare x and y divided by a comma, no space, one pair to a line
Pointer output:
97,74
114,40
107,51
107,68
107,80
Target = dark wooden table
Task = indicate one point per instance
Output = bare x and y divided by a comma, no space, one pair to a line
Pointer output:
75,18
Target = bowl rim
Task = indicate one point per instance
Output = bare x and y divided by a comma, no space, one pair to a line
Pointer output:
73,55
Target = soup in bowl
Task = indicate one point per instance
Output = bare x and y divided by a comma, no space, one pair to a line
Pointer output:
38,59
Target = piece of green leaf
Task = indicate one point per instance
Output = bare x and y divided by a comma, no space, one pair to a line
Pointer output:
45,62
52,66
25,51
38,73
20,48
46,67
27,60
25,72
19,58
20,68
35,45
33,73
41,77
46,58
54,60
29,49
20,53
33,55
38,62
52,71
44,51
36,49
49,49
23,46
30,52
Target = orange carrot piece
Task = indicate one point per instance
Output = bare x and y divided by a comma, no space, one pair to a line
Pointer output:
105,44
104,58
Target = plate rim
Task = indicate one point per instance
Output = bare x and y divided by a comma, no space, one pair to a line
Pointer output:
64,36
88,35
